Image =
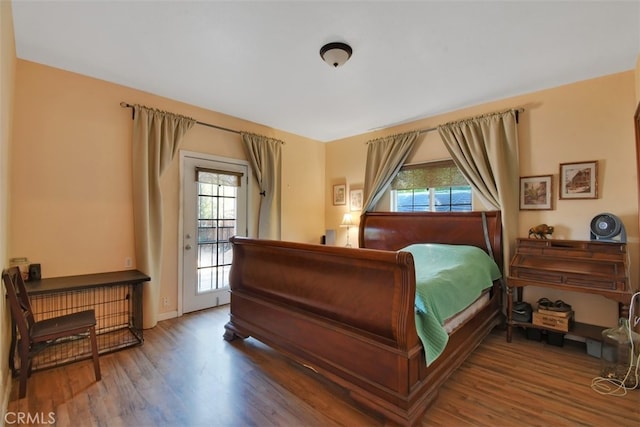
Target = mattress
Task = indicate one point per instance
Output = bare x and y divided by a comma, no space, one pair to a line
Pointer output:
452,323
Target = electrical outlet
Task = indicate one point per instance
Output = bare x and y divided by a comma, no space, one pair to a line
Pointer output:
165,302
128,262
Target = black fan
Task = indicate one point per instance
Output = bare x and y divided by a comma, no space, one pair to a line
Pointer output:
607,227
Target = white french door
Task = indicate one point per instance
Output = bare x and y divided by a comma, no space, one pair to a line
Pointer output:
214,209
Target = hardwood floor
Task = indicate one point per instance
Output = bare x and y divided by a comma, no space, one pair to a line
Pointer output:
185,374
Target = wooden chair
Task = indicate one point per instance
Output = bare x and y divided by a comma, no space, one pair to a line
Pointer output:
34,336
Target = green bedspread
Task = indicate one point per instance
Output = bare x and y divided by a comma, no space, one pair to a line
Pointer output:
448,279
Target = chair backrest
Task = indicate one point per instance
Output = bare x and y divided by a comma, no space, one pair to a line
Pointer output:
18,300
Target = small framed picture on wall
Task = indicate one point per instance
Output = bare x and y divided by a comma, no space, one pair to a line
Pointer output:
340,194
355,200
579,180
536,192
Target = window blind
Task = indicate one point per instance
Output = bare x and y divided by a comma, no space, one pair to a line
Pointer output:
216,177
443,173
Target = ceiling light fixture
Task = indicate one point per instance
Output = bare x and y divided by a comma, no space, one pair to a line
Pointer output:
335,54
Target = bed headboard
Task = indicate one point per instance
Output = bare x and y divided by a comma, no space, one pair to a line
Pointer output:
395,230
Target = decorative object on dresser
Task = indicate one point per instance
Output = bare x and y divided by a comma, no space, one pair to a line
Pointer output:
592,267
541,231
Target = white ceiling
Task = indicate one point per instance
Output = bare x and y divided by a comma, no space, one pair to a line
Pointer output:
260,60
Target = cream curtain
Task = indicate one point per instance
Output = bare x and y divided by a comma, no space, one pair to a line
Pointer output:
485,149
385,157
264,155
156,137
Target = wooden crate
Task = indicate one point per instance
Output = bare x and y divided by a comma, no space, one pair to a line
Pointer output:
556,323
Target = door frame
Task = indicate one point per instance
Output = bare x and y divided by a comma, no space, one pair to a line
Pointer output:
210,157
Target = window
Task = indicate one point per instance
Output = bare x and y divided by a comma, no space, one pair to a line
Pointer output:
430,187
217,196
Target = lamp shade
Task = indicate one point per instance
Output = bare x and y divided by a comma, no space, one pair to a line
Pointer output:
335,54
347,220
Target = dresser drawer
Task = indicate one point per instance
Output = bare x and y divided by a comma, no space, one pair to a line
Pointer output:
589,265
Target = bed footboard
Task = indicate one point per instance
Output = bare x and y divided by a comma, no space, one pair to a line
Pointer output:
345,313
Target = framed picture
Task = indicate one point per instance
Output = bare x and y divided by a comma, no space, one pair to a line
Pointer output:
355,199
579,180
536,192
340,194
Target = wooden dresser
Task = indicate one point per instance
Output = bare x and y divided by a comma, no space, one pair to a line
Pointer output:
593,267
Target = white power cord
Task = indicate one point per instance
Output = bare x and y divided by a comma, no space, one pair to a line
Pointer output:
614,386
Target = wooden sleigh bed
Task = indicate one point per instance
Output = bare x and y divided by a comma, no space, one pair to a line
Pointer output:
348,313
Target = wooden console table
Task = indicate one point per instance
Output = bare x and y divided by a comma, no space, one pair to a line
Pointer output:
593,267
116,298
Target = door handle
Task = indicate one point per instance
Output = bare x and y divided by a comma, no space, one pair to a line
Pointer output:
187,247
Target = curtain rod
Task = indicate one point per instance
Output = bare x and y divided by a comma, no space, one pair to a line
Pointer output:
125,105
427,130
517,110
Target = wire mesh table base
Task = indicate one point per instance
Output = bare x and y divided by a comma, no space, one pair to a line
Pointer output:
116,299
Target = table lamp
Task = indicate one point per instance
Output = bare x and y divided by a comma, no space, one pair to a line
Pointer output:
347,221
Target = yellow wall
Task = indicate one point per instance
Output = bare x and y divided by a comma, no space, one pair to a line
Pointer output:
71,191
70,184
7,75
583,121
638,80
